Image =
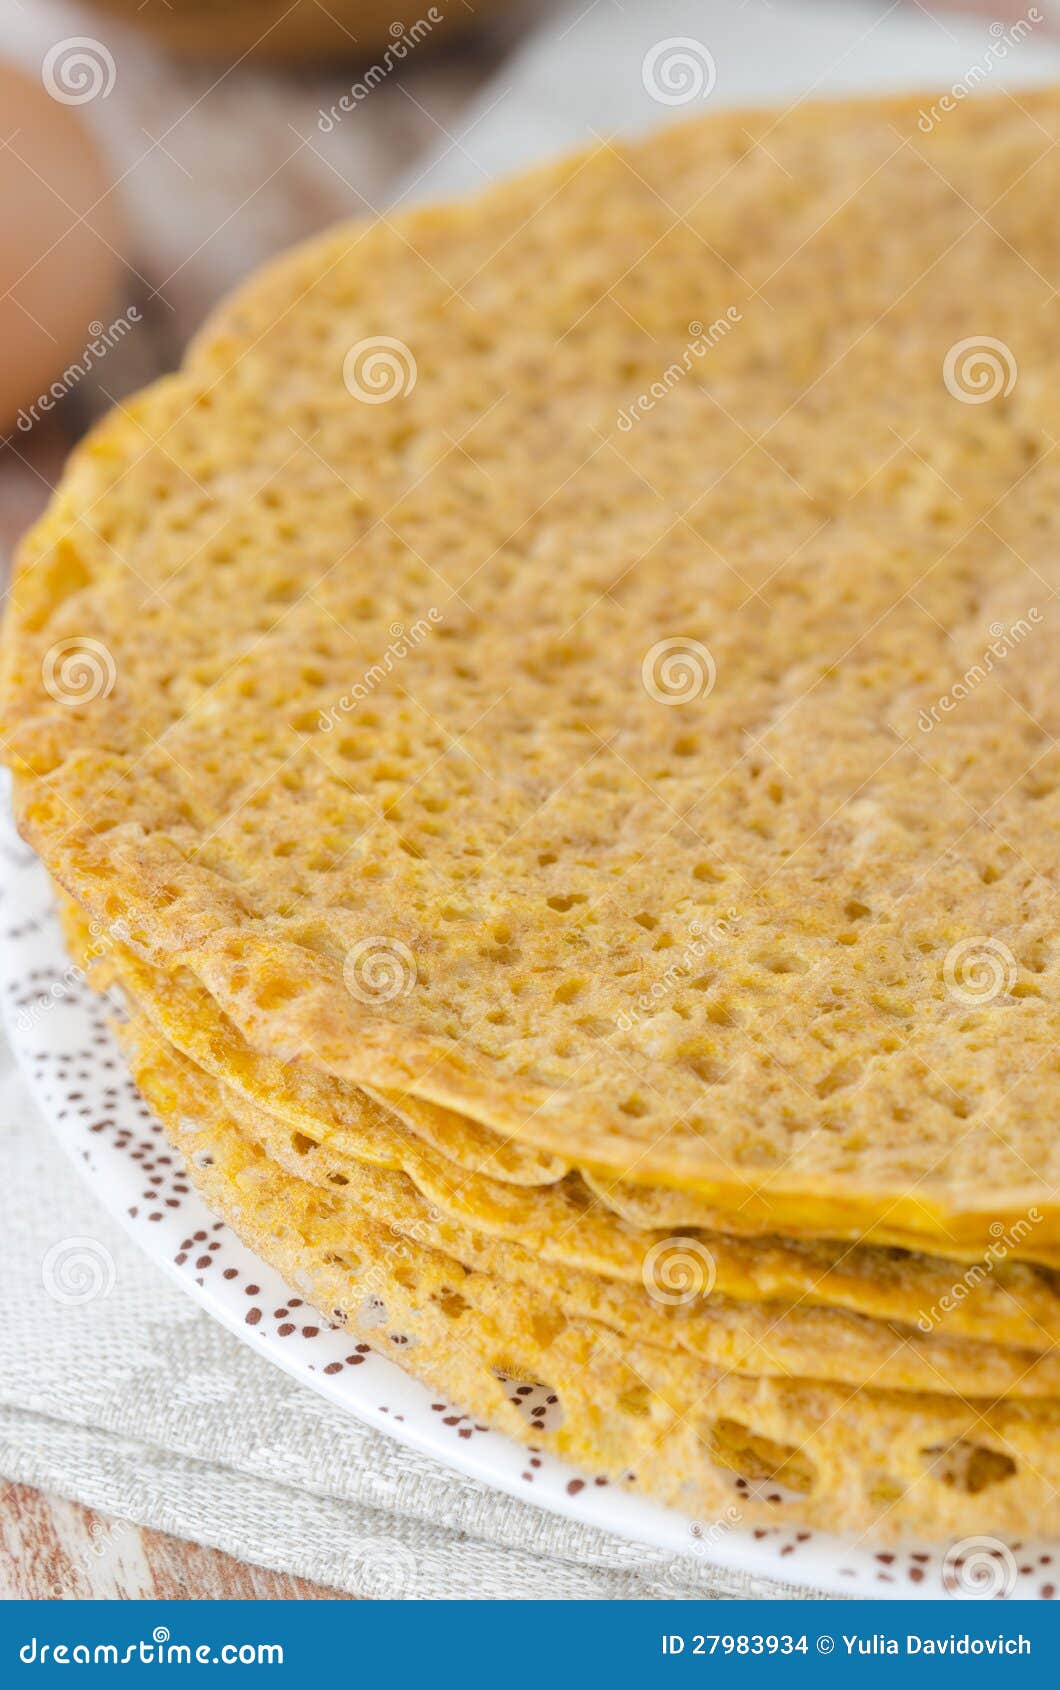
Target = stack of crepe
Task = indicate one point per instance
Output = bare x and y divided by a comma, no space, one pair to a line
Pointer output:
547,718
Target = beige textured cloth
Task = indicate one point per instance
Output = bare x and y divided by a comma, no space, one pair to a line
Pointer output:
135,1402
140,1405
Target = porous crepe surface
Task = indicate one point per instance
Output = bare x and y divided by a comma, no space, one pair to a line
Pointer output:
758,1339
887,1463
511,805
331,1111
335,1115
362,1122
669,1206
345,1115
998,1301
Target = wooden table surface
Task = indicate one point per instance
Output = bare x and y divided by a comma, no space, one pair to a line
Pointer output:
220,170
52,1549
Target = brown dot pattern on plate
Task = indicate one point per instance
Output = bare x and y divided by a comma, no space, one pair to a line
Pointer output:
71,1061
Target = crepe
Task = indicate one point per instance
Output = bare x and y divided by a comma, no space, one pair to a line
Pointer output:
397,680
321,1132
673,1303
697,1436
364,1122
548,719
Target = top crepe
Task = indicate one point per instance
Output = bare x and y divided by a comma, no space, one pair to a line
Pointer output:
584,657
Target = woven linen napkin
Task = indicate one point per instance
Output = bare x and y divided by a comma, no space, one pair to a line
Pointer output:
137,1403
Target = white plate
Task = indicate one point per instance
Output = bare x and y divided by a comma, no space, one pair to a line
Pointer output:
58,1030
580,76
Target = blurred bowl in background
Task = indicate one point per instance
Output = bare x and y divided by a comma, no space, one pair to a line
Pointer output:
277,30
59,256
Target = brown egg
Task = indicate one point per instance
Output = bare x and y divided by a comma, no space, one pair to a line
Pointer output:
301,29
59,266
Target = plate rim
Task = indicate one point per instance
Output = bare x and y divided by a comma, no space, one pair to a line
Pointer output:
611,1510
